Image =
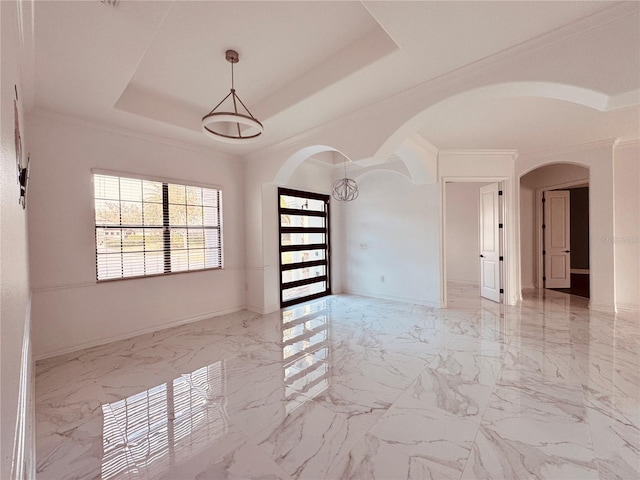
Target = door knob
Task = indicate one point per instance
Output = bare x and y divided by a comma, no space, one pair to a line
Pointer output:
567,251
481,256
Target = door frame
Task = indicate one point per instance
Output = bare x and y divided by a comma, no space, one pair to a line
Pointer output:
327,216
511,226
539,242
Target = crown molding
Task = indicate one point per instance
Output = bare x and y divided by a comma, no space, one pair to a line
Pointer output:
434,86
552,152
623,100
40,114
628,143
476,152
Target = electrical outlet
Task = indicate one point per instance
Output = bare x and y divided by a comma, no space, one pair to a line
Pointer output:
382,278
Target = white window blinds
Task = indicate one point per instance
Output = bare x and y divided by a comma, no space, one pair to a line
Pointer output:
148,227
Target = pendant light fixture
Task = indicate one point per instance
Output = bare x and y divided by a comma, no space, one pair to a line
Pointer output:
231,126
345,189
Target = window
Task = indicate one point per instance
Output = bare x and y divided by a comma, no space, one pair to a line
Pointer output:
150,227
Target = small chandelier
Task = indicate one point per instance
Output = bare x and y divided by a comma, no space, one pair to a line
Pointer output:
345,189
232,126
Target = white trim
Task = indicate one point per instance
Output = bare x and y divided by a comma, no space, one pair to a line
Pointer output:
40,114
623,100
461,76
263,310
23,456
478,152
580,271
553,152
471,283
628,308
628,143
152,178
602,307
512,294
134,333
94,283
394,298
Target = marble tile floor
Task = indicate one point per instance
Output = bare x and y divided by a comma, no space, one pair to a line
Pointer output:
354,387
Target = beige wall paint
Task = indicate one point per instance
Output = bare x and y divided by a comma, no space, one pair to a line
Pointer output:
462,225
16,445
627,226
72,311
392,239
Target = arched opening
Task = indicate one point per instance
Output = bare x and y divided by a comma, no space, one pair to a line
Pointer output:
572,94
555,228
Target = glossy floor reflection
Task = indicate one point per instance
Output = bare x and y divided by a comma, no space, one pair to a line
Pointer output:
353,387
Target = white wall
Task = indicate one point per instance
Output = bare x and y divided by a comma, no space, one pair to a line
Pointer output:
462,232
16,429
488,166
313,177
307,177
627,226
392,231
70,310
546,176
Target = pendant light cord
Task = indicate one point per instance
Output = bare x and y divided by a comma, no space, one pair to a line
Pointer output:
232,83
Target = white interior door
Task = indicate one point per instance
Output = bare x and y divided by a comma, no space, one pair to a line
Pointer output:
490,243
557,244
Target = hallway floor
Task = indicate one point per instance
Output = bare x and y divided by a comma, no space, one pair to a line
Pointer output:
354,387
580,285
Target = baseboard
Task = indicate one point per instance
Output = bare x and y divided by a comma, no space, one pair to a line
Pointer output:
528,286
135,333
262,310
395,298
471,283
602,307
628,308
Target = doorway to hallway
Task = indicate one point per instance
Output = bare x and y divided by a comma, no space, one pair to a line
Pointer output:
554,233
473,237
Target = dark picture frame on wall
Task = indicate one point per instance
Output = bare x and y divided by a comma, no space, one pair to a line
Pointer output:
23,172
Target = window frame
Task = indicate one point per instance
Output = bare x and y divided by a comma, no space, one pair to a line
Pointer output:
165,229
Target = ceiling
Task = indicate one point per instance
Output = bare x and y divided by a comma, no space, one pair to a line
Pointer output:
158,66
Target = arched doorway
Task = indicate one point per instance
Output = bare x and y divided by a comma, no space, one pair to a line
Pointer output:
554,228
